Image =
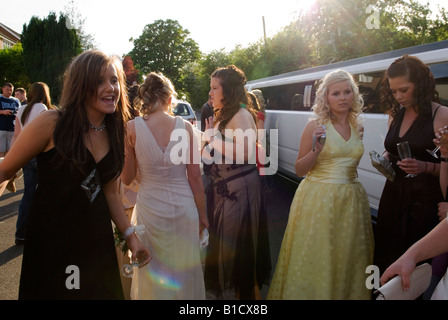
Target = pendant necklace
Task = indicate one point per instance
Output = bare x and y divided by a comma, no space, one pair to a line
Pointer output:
100,128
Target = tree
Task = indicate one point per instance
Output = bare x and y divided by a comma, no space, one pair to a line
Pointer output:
284,52
164,46
341,30
12,67
131,72
48,47
76,21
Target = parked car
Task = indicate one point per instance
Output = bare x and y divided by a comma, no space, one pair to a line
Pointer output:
184,110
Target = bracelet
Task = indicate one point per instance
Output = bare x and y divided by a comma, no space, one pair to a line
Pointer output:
443,159
129,231
426,167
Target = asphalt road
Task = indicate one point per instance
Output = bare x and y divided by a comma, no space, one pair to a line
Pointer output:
278,202
10,254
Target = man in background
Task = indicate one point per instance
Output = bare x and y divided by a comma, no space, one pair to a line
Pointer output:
8,109
206,112
20,94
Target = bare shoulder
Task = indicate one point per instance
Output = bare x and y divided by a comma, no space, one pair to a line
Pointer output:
310,126
243,119
43,124
131,125
441,117
442,109
188,125
48,117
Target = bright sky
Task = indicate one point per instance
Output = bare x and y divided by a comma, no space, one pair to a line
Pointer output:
212,24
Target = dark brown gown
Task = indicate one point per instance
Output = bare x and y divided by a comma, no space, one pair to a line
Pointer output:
238,256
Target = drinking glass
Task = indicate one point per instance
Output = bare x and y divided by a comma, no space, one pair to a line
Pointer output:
321,139
443,139
128,269
404,151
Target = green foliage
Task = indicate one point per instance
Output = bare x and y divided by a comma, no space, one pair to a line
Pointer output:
12,67
48,47
76,21
338,30
164,46
330,31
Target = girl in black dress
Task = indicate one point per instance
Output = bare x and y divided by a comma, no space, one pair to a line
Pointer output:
69,251
408,206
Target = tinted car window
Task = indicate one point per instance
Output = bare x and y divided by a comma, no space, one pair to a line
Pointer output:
181,110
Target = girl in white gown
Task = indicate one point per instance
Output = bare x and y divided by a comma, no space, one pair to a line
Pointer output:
170,201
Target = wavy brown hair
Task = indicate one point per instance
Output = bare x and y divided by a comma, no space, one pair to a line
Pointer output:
233,81
39,93
81,81
420,75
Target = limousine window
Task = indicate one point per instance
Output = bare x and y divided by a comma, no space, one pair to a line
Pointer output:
300,96
442,89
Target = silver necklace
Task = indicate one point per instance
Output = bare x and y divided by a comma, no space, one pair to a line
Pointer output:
100,128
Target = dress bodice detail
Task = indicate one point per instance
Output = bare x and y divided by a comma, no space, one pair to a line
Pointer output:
339,159
161,163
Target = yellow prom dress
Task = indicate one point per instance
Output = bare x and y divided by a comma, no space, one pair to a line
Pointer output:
328,242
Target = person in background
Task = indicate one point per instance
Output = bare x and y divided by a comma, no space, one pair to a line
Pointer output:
256,106
69,251
260,106
9,106
170,201
328,242
20,94
206,112
40,101
238,259
408,207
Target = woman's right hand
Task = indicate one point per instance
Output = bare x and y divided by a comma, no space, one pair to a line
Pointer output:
443,143
317,133
140,253
209,130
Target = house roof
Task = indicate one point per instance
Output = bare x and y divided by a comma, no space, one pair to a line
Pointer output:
8,33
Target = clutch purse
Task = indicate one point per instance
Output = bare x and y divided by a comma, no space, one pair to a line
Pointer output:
420,280
382,165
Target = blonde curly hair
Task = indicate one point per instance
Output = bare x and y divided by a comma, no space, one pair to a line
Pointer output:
154,93
321,108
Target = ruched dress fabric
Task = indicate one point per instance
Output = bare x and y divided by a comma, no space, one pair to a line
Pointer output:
328,242
166,207
69,234
238,256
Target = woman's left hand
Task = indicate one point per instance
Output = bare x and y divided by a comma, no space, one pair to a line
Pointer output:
209,130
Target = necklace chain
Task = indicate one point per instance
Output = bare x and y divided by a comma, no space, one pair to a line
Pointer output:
100,128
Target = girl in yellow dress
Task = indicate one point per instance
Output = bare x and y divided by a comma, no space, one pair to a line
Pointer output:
328,242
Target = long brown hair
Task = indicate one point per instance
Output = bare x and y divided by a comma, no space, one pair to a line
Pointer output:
39,93
420,75
233,81
81,81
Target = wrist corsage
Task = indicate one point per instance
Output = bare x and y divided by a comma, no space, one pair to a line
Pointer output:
120,239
